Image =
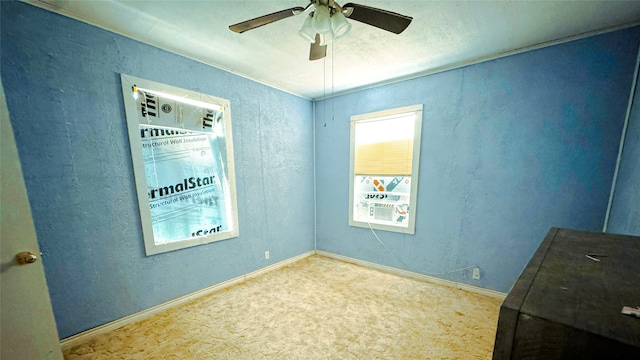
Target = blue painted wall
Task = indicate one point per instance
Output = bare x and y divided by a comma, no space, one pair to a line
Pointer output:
62,82
510,148
625,209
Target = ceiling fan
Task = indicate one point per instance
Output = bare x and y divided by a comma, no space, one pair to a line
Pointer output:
326,21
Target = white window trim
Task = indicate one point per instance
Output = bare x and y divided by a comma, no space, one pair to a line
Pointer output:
151,247
410,229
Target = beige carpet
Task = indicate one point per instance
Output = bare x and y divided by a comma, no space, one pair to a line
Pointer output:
317,308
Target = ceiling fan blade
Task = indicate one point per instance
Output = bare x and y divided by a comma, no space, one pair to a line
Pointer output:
265,19
383,19
316,51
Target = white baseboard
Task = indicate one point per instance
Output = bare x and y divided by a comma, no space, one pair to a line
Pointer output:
73,340
414,275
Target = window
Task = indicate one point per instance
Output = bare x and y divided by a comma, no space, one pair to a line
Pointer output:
182,153
385,153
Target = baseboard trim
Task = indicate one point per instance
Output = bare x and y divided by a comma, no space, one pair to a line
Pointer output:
78,338
414,275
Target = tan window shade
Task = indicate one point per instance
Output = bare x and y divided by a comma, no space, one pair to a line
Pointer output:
383,167
384,158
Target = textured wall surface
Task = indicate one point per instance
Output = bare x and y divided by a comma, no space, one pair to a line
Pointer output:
625,210
62,82
510,148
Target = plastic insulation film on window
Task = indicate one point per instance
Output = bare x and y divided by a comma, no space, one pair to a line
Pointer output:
383,199
182,154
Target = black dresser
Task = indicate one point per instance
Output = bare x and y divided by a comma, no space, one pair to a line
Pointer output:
567,302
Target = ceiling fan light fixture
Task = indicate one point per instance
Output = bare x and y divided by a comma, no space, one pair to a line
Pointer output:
339,24
322,19
326,21
307,31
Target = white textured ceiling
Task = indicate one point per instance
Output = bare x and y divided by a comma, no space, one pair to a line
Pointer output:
443,34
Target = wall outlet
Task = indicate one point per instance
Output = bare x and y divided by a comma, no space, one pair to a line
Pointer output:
266,254
476,273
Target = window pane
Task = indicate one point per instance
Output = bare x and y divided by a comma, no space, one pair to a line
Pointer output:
385,149
382,199
182,154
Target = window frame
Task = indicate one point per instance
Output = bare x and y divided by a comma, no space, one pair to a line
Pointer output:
413,196
151,246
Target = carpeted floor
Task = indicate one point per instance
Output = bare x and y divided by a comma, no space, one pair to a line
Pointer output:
317,308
